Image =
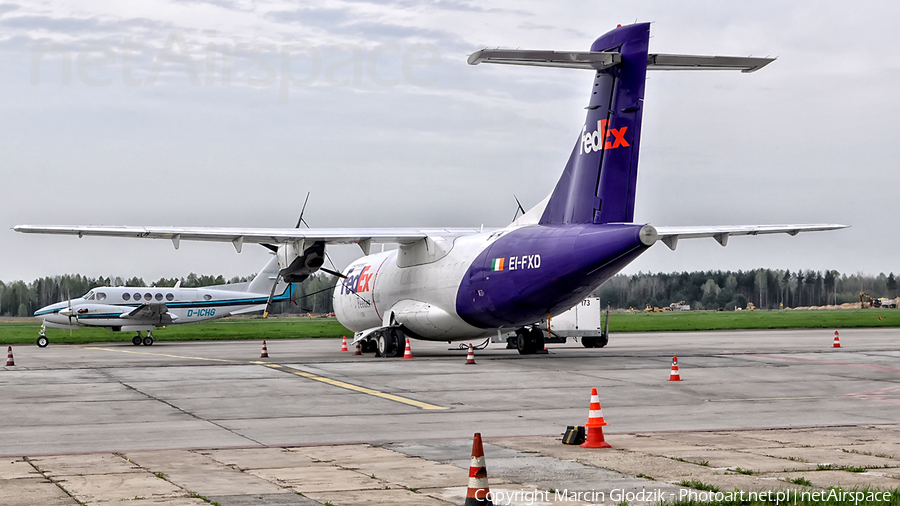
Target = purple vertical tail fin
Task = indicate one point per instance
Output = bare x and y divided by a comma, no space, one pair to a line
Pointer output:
598,183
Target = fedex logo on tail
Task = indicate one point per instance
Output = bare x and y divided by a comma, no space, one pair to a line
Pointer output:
603,138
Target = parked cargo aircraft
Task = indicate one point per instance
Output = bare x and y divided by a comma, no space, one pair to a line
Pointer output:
460,284
137,309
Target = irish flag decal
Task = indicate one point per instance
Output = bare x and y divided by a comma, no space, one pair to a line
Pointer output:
497,264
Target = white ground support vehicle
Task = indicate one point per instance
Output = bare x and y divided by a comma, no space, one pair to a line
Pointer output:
582,322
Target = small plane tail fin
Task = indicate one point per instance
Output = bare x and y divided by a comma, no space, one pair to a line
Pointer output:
263,281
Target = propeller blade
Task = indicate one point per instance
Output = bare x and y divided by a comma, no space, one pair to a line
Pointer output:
271,295
333,273
303,210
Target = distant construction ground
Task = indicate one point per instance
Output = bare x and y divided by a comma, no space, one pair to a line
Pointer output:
756,410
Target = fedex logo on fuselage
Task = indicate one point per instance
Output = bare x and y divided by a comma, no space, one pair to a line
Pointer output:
357,283
603,138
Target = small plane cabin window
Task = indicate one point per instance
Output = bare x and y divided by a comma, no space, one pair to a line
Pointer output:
148,296
126,296
159,296
170,297
137,296
207,297
101,296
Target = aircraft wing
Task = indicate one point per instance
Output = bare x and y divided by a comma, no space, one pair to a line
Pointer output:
671,235
238,236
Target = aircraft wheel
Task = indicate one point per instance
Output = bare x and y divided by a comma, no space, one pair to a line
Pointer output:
397,343
524,342
589,341
148,341
601,341
136,340
537,337
381,345
42,341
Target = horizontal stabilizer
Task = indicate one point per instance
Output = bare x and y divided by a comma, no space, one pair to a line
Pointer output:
745,64
596,60
670,235
599,60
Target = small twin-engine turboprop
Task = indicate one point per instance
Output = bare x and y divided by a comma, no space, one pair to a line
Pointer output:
141,309
460,284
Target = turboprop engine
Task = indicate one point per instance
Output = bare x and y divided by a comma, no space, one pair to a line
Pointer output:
297,261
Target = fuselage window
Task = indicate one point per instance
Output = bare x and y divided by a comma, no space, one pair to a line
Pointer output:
101,296
148,296
207,297
126,296
137,296
159,296
169,296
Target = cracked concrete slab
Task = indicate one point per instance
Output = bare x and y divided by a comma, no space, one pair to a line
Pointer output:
32,491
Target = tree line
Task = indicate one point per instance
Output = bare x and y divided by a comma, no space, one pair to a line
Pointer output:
19,298
715,290
727,290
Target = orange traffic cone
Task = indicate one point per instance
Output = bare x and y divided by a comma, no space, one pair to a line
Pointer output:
265,352
344,344
408,352
470,358
674,376
358,350
595,424
837,340
9,358
478,493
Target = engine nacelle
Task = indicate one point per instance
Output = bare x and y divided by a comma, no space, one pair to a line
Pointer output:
297,261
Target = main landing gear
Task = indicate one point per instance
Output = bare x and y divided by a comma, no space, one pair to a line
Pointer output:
529,341
146,341
390,343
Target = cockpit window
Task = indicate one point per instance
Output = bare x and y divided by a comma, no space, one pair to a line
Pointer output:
89,295
101,296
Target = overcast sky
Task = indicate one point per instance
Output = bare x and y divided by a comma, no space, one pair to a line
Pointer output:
226,113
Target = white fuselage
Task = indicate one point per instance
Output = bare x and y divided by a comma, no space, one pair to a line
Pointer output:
109,307
426,291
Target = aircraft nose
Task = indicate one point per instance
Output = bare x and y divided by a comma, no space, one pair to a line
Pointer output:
52,308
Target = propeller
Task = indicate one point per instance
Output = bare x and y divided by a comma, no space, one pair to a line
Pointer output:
333,271
518,209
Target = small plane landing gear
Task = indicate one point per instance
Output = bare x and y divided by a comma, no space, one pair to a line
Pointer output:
42,340
137,340
148,341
